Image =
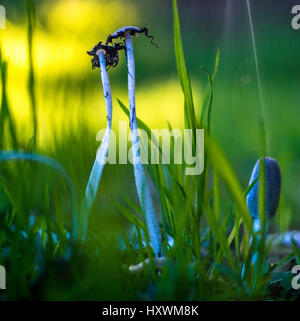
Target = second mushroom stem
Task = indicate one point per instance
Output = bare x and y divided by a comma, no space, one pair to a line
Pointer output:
96,173
142,185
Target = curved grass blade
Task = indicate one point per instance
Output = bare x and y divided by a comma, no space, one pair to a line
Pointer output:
208,95
15,155
222,166
5,112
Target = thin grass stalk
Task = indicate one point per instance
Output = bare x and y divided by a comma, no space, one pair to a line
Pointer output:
261,117
5,115
142,186
190,122
31,77
260,227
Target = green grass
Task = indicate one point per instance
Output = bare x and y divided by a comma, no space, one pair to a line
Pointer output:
206,215
30,5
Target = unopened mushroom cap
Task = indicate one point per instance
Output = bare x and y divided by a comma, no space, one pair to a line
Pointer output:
272,188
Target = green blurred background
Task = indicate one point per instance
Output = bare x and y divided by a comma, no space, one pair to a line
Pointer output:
70,104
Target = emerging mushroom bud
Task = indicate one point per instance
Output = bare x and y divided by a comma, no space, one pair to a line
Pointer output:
272,188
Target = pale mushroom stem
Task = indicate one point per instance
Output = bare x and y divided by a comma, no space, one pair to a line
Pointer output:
257,227
96,173
142,186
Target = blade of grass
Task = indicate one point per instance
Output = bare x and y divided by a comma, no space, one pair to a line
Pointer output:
220,235
222,166
208,95
30,5
14,156
182,71
5,112
131,216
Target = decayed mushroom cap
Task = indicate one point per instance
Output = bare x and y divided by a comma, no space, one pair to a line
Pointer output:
133,31
120,33
272,188
110,53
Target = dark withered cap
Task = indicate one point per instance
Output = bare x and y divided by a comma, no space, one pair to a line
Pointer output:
110,53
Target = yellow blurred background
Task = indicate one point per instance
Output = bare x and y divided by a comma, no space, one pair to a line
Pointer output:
71,28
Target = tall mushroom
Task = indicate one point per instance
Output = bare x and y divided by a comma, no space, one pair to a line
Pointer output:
103,56
142,185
